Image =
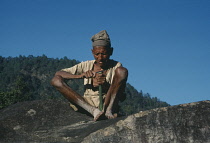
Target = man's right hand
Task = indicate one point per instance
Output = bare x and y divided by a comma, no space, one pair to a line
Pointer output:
88,74
98,78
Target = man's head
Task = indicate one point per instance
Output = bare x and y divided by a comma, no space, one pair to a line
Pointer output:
102,49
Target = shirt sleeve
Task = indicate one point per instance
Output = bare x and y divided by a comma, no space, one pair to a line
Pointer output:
75,70
80,68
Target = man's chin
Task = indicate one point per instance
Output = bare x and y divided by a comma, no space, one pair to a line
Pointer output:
102,65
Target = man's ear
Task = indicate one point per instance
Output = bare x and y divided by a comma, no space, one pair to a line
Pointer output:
111,51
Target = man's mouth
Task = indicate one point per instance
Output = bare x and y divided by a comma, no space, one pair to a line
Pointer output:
102,62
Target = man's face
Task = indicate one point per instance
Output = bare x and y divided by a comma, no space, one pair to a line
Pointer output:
101,55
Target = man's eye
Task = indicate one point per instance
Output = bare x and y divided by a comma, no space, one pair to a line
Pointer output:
101,54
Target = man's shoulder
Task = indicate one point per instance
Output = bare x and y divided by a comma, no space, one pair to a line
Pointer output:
86,65
114,63
90,63
87,62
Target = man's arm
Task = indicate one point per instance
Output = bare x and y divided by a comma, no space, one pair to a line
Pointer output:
67,75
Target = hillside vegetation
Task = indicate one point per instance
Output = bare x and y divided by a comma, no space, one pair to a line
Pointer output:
28,78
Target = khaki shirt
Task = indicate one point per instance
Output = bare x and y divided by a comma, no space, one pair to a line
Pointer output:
91,94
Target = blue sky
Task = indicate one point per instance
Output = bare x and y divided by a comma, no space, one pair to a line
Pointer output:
165,44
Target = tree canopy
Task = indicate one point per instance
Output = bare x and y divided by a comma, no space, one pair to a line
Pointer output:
28,78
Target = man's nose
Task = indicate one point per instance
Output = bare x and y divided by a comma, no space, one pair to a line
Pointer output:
100,56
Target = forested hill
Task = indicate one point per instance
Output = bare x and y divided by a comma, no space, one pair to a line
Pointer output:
28,78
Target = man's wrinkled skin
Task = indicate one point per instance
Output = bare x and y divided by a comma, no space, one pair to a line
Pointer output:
116,89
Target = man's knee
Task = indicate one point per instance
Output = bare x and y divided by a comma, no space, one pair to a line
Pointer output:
121,72
56,81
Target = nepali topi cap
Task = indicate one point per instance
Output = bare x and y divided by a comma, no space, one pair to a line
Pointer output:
101,39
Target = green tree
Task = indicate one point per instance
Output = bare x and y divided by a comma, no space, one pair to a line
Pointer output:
18,93
28,78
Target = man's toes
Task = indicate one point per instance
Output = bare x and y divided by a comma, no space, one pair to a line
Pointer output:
109,116
97,117
115,115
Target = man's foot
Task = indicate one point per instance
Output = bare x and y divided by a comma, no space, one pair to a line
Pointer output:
97,113
109,115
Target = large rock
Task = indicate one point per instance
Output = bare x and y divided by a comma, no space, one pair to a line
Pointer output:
46,121
54,121
186,123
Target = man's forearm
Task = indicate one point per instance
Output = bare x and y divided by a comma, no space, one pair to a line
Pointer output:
67,75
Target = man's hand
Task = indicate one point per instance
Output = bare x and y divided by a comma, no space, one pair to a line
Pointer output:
99,79
88,74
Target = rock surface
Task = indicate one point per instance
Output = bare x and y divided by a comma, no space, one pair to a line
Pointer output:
54,121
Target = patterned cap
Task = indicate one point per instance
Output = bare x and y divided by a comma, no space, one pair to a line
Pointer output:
101,39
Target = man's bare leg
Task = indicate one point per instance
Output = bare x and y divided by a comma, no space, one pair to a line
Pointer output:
117,87
74,97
